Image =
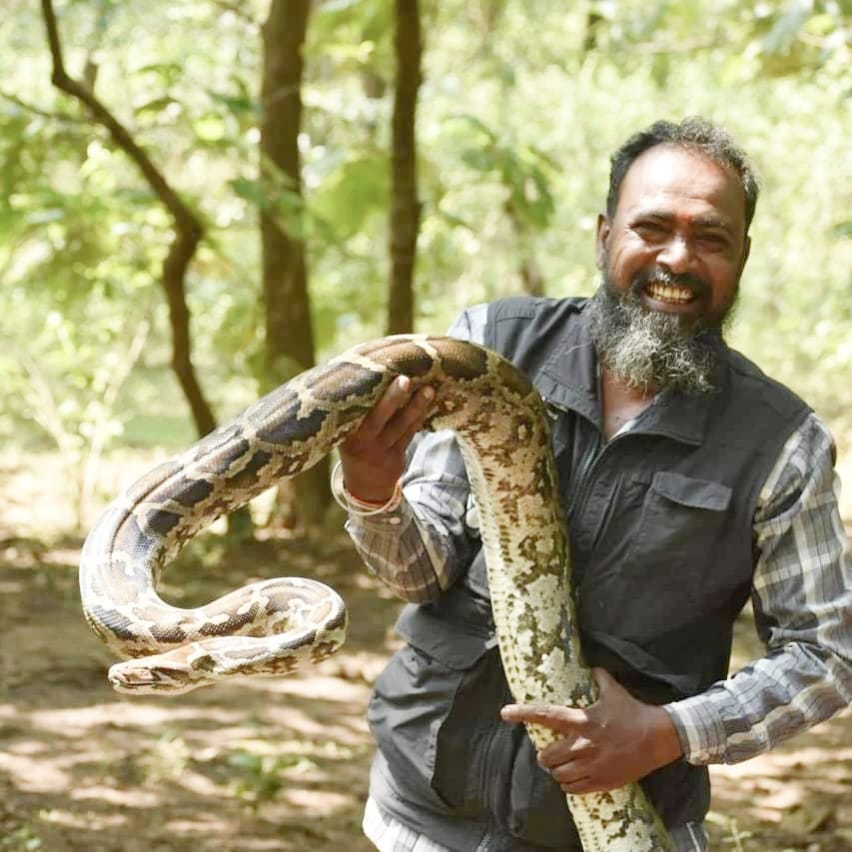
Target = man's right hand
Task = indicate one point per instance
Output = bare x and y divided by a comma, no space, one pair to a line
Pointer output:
373,456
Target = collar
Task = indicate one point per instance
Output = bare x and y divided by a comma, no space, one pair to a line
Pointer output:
569,382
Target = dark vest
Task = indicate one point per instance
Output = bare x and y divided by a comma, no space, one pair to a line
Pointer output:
662,550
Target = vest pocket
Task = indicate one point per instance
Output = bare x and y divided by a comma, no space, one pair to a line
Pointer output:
421,716
691,493
683,520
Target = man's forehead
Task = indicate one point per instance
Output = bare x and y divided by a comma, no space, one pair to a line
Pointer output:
667,175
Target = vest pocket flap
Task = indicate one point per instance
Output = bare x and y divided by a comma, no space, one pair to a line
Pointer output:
695,493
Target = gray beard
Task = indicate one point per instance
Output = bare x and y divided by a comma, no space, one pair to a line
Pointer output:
650,351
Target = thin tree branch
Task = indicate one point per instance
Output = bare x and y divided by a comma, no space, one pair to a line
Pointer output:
188,227
60,78
31,108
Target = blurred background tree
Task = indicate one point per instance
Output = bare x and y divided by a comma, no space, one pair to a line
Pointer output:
518,106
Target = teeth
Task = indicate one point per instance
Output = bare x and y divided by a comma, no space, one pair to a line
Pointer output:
668,293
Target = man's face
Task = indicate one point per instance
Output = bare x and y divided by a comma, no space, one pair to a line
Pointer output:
677,241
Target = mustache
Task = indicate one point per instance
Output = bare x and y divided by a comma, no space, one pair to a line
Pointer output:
697,285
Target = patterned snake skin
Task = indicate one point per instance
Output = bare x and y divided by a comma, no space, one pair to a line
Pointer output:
272,626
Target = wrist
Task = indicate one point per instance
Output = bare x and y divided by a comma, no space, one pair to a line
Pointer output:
366,483
383,503
368,497
354,504
664,743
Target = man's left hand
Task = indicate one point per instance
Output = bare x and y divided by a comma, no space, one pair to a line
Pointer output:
613,742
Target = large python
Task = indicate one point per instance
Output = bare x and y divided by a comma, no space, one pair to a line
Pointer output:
271,626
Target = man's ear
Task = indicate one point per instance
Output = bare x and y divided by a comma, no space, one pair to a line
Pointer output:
746,251
604,227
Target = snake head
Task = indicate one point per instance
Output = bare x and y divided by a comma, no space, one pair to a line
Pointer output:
149,677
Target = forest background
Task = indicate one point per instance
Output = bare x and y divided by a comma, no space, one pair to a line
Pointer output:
201,198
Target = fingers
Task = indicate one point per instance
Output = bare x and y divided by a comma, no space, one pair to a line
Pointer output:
373,456
565,720
391,401
397,415
554,716
569,774
570,760
605,682
579,732
612,742
408,420
382,411
580,786
581,770
566,751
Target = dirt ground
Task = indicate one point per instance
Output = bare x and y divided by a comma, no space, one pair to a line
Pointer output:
262,764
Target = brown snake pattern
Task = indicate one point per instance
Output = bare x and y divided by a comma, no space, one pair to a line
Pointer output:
272,626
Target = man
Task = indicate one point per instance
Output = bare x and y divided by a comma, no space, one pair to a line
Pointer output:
691,482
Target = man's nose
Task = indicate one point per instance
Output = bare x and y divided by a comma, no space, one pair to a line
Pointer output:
676,255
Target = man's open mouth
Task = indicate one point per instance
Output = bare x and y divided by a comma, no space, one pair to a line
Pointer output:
669,293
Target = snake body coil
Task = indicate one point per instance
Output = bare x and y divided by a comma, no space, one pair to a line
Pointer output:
270,627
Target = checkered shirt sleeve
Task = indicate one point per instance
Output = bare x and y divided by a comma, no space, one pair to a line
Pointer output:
419,549
802,602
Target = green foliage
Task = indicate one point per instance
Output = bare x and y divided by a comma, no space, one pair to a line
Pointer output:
166,760
521,105
734,835
258,778
66,380
351,193
521,169
21,839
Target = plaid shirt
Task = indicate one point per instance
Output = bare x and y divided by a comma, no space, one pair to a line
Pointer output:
801,594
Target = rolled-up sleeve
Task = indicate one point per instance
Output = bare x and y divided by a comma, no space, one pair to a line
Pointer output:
420,548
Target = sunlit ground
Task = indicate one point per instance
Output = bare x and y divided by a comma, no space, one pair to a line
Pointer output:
259,764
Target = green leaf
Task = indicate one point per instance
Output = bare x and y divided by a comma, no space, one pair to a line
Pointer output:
476,123
168,72
842,230
252,191
780,38
157,105
351,193
210,127
480,159
237,105
44,215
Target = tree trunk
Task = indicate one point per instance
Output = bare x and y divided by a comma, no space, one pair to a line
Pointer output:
405,208
289,332
532,280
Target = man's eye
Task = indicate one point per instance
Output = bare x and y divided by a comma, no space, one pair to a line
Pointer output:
649,229
713,239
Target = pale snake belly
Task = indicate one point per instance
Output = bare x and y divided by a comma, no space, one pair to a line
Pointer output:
271,627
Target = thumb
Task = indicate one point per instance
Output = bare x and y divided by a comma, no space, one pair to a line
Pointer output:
605,681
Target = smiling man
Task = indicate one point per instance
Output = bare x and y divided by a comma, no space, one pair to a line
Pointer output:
691,483
672,247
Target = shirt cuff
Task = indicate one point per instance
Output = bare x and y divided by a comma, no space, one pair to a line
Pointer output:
392,520
700,729
366,515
